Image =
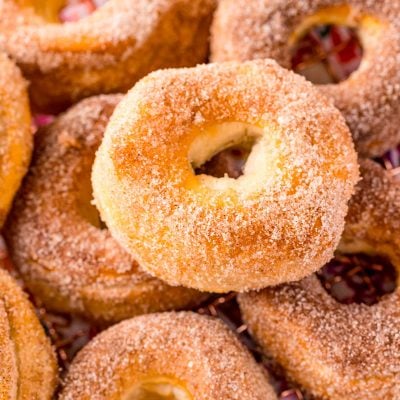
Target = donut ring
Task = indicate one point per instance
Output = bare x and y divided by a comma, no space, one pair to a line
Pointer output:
54,234
222,234
180,356
28,368
339,351
105,52
15,133
245,30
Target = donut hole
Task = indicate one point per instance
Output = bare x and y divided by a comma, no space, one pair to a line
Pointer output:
327,54
328,46
226,155
159,389
60,11
85,200
359,278
229,162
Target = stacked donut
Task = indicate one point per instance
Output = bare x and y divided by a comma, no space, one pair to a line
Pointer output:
210,220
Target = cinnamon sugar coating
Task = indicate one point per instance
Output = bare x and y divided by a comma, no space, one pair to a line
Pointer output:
55,237
369,98
105,52
278,222
28,367
340,351
196,353
15,133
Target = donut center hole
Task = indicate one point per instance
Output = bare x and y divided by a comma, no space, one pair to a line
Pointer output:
327,54
159,390
229,162
358,278
326,47
224,153
85,201
391,162
61,11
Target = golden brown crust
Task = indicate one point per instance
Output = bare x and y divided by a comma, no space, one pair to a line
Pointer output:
54,234
28,368
15,133
107,51
196,352
279,223
245,30
340,351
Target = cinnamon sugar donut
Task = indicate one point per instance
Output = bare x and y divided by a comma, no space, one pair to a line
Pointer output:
15,133
278,222
105,52
369,98
28,367
55,237
176,356
334,350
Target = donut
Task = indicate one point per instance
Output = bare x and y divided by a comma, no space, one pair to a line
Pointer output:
28,368
341,351
369,98
180,356
108,51
280,220
15,133
64,253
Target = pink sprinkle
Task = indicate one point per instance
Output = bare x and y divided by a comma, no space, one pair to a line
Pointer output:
43,119
293,394
76,11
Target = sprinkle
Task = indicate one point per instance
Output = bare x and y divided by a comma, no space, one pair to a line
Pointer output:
358,278
78,9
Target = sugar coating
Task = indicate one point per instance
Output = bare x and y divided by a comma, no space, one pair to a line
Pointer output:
15,133
220,240
107,51
198,352
340,351
55,241
369,99
28,365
